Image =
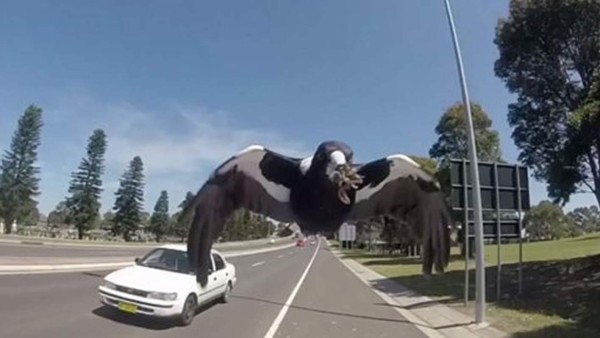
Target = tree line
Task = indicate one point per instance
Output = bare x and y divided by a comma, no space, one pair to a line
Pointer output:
549,56
19,187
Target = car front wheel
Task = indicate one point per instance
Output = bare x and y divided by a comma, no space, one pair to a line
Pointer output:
189,310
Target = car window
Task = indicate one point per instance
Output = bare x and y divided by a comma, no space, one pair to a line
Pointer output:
167,259
153,257
219,263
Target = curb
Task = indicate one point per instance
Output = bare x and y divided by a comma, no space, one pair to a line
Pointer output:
39,268
453,325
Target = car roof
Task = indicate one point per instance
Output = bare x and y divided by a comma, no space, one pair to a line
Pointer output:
182,247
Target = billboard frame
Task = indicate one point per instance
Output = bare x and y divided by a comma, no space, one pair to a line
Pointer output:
505,188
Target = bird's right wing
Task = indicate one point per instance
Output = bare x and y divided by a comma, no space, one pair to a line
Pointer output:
256,179
398,186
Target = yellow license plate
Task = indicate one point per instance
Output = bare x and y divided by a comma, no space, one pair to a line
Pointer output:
131,308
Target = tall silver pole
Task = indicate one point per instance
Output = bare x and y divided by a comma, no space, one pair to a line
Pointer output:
498,233
479,248
466,230
520,229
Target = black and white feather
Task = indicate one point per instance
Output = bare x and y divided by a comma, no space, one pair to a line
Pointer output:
309,192
256,179
398,186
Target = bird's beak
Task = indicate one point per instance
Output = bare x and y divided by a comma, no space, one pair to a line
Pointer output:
343,174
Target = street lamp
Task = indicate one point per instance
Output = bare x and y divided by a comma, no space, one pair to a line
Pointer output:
479,248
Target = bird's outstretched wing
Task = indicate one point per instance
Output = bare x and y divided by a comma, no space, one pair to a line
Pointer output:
256,179
397,186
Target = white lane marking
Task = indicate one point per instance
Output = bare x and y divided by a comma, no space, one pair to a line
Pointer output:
259,263
280,256
288,302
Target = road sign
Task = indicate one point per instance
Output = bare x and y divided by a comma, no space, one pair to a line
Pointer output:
504,196
501,185
347,232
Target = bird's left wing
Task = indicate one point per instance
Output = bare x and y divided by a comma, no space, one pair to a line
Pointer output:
397,186
256,179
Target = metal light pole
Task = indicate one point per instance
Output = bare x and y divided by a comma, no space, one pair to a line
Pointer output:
479,248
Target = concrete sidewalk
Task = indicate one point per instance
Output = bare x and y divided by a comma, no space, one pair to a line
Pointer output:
435,319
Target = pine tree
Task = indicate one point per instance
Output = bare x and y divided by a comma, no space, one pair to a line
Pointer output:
130,199
86,185
19,183
159,222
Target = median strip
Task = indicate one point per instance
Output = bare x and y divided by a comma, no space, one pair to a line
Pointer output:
47,268
39,268
129,245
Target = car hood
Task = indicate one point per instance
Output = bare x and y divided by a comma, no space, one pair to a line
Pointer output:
150,279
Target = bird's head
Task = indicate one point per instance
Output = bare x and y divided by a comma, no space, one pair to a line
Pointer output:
335,159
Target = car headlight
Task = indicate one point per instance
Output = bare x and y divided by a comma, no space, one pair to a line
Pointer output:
109,285
163,295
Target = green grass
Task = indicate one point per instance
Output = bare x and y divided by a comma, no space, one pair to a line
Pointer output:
561,285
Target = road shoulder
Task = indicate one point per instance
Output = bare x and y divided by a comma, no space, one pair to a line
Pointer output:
333,303
432,318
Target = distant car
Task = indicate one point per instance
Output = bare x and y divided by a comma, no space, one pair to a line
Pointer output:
301,242
161,284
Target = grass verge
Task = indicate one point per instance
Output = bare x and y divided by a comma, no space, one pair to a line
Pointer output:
561,285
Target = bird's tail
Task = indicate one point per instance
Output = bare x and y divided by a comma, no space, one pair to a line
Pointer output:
434,217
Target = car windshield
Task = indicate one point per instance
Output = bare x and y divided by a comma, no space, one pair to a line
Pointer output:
167,259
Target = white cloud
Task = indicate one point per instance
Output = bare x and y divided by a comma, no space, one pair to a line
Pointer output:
179,146
200,140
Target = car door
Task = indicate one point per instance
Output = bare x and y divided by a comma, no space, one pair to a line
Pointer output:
207,292
220,275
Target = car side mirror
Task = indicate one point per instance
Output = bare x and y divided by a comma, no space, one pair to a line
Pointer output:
137,260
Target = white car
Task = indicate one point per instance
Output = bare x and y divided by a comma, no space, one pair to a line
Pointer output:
161,284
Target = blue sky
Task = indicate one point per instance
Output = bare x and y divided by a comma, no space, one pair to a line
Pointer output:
184,84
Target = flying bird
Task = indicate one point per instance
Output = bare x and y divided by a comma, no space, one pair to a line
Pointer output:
319,193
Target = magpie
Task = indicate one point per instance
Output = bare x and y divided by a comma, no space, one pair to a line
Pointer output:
319,193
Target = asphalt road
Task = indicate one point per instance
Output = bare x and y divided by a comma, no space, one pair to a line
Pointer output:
331,302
